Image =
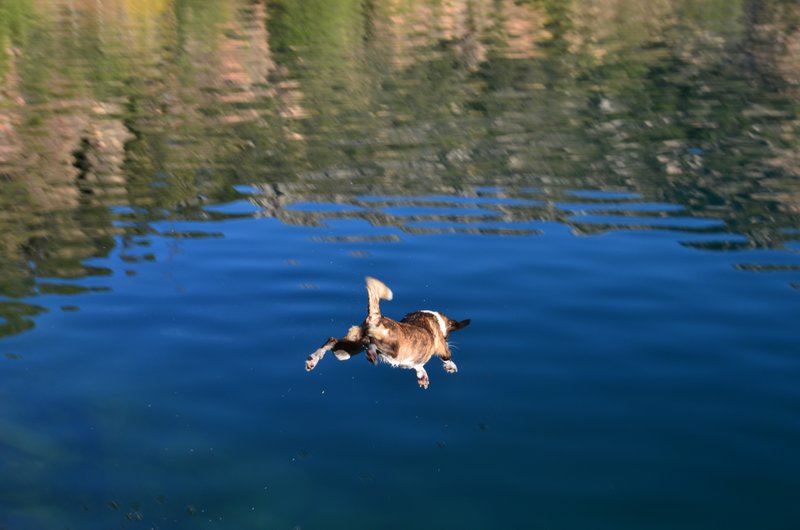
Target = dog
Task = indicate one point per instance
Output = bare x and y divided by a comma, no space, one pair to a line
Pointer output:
409,343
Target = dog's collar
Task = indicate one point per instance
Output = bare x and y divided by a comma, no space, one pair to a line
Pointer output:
439,319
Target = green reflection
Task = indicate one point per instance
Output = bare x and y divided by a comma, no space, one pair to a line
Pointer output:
161,106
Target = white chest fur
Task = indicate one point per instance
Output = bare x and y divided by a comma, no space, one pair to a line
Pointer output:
391,361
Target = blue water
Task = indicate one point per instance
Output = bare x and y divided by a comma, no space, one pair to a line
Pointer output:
620,379
193,193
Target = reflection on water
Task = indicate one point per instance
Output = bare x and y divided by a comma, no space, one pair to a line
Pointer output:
120,120
162,107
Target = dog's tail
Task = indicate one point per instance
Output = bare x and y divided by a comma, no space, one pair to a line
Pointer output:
376,290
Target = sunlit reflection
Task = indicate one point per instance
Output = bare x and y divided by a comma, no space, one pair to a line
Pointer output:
471,117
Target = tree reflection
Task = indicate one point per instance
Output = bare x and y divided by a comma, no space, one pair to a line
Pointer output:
161,107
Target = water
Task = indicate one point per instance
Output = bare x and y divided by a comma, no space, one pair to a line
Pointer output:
193,191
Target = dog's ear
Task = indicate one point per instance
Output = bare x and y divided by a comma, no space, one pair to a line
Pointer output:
455,325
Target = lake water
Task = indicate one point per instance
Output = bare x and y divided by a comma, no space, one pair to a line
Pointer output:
192,191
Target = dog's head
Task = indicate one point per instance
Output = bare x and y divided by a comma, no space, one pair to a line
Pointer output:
454,325
438,321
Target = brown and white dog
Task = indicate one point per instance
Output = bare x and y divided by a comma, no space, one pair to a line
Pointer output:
409,343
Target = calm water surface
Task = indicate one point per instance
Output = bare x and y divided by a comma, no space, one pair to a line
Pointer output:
191,192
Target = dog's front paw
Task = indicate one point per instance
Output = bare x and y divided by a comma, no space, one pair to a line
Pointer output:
450,367
422,378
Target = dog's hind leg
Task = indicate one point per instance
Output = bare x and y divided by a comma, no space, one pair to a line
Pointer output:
343,348
317,356
372,353
349,345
